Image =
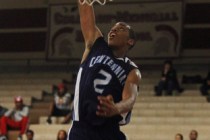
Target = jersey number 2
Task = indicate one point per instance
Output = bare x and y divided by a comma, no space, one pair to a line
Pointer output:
97,86
102,82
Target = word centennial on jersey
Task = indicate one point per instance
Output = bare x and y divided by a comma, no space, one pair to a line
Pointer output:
106,60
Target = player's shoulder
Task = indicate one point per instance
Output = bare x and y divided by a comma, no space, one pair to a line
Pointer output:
130,62
135,69
99,44
100,40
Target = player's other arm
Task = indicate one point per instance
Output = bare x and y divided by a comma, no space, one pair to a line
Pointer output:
130,92
107,106
89,29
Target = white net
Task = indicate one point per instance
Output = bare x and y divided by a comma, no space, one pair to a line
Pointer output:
90,2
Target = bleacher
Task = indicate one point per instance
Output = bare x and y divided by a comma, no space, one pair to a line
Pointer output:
153,117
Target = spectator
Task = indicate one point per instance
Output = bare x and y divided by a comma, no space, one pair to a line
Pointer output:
16,118
62,135
169,81
2,110
30,134
206,85
179,136
61,105
193,135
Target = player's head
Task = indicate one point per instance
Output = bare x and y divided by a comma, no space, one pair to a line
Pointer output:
121,35
193,135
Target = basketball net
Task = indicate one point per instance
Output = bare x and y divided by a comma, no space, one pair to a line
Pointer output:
90,2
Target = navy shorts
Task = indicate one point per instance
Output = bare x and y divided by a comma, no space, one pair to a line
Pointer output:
84,131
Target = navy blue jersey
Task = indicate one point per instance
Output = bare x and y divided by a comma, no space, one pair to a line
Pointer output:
100,74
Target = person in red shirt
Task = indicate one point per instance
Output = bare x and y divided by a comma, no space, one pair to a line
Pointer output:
16,118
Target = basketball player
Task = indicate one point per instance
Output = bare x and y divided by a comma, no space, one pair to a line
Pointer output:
107,81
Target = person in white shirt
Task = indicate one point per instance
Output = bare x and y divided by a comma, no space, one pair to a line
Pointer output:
61,105
16,118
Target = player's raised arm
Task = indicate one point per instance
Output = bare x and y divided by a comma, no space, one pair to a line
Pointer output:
87,20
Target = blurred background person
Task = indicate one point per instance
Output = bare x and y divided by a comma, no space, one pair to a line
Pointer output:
61,105
30,134
2,111
206,85
193,135
169,81
179,136
16,118
62,135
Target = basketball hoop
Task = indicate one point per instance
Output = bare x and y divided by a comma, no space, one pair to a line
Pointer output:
90,2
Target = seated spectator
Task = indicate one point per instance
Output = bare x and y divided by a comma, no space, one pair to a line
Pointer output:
61,105
16,118
2,111
206,85
193,135
179,136
30,134
62,135
169,81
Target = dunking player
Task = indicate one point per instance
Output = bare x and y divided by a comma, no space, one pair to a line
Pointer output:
107,81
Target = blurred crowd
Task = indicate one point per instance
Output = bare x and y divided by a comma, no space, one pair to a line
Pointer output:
169,81
17,118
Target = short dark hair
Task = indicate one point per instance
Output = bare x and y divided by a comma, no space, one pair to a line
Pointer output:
132,34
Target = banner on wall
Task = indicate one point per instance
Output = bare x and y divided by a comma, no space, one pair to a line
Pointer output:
157,25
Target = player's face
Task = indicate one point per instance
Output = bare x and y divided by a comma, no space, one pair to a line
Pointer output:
118,36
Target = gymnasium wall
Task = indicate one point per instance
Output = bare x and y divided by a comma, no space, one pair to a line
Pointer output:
24,28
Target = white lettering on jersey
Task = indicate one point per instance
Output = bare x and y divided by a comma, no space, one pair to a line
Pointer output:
102,82
106,60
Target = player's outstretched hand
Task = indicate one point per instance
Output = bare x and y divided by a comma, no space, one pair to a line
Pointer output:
107,107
